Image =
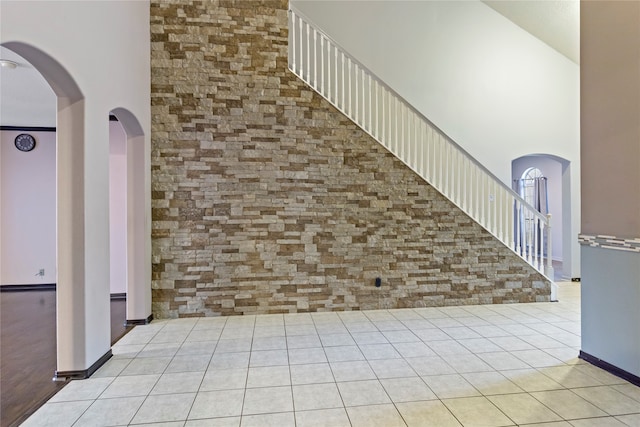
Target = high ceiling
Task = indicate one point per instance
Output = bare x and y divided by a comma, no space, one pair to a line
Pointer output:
555,22
27,100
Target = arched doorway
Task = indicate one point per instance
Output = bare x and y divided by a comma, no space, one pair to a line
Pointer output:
82,308
544,181
133,240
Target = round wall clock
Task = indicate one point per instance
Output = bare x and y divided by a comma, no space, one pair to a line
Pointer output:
25,142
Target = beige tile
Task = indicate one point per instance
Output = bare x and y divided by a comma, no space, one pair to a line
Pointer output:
267,400
489,383
302,356
283,419
213,404
112,368
311,374
450,386
407,389
600,374
551,424
61,414
300,329
568,404
502,361
129,386
389,325
233,345
597,422
464,363
163,349
224,379
511,343
269,331
479,345
268,376
379,351
523,409
88,389
183,382
303,341
413,349
448,347
336,339
355,327
570,376
336,417
477,411
369,338
427,414
203,335
165,407
567,355
375,415
609,400
392,368
352,371
537,358
197,347
343,353
269,358
195,363
213,422
531,380
269,343
146,366
398,336
316,396
358,393
632,420
430,365
110,412
229,360
630,390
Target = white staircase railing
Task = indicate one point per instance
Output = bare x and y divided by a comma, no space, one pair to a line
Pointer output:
338,77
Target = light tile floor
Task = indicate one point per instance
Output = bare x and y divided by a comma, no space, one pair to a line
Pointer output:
497,365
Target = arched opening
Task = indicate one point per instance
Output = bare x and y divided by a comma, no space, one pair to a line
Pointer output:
28,240
82,312
129,233
544,182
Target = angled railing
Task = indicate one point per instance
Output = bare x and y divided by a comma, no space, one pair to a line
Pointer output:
338,77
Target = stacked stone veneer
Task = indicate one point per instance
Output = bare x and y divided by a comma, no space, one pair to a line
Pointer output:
267,200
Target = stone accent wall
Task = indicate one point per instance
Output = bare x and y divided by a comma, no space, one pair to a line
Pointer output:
267,200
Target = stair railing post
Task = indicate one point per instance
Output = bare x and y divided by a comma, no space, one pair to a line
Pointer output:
549,267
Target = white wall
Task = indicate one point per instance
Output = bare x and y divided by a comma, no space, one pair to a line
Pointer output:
495,89
103,46
28,204
28,201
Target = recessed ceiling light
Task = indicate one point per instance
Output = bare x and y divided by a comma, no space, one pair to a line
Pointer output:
5,63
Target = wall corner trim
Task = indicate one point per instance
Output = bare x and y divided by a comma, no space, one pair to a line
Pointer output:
136,322
612,369
82,374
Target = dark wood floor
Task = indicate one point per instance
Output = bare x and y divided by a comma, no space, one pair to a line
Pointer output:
28,351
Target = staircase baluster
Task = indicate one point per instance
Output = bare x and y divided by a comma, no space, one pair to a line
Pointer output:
322,66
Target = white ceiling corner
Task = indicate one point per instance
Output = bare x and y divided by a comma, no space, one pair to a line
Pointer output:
555,22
